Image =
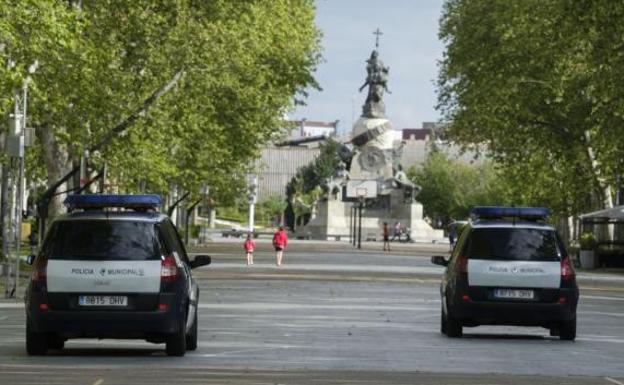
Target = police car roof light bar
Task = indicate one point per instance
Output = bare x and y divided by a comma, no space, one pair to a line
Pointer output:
101,201
498,212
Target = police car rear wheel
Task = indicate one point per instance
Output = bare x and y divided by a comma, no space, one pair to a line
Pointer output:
191,338
567,330
55,342
442,322
36,343
454,327
176,342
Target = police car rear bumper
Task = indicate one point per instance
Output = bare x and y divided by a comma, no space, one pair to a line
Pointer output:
106,323
513,313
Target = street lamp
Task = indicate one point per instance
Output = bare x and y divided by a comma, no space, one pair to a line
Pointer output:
253,198
204,191
15,150
361,193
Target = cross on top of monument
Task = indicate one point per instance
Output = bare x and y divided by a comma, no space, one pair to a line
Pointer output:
377,33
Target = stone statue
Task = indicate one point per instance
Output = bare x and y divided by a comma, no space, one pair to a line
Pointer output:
372,135
346,155
377,82
397,154
402,181
333,185
371,161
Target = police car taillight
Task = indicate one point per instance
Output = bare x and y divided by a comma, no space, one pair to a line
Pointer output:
567,271
39,274
168,269
462,265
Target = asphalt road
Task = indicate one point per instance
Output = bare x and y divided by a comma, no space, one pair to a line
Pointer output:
333,315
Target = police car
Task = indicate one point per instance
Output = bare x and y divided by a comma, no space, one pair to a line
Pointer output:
112,268
509,268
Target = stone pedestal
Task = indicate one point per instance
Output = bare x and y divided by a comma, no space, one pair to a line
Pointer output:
333,220
373,159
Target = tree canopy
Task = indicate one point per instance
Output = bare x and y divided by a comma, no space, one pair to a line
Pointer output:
540,84
451,188
234,69
305,188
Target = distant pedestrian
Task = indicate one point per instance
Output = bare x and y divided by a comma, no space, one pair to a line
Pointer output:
452,236
32,241
397,231
249,247
386,237
280,241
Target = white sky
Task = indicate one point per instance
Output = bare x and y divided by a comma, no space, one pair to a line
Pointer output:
409,46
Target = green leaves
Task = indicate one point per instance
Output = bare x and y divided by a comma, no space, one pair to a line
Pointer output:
451,188
244,64
529,79
310,177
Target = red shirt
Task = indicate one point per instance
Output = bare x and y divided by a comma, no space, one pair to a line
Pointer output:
280,239
249,245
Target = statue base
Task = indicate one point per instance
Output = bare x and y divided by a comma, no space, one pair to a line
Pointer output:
334,221
373,159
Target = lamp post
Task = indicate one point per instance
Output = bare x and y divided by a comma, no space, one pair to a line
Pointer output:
361,194
15,150
204,191
253,198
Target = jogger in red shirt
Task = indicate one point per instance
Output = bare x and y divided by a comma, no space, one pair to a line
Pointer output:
280,241
249,247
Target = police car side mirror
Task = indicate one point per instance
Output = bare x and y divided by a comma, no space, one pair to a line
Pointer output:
200,260
439,260
30,259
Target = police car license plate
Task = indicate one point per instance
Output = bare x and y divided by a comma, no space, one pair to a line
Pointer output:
514,294
102,300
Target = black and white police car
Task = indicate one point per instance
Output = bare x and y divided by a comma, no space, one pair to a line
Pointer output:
509,268
112,268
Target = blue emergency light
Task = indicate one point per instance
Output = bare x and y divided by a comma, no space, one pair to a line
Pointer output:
101,201
499,212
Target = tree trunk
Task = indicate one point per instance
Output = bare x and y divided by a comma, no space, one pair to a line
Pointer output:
605,188
4,203
57,164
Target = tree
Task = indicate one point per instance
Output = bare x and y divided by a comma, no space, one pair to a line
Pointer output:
539,83
451,188
272,208
314,175
233,68
304,189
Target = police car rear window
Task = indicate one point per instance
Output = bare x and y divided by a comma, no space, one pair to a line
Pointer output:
514,244
103,240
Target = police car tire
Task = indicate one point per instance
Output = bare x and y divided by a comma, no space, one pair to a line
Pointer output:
36,343
454,327
55,342
191,338
176,342
442,322
567,331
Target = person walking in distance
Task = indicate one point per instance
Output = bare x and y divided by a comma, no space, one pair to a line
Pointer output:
386,237
249,247
452,236
280,241
397,231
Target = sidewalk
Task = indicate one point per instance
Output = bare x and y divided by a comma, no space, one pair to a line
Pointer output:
318,245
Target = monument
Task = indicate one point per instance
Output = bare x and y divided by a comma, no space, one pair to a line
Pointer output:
370,176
